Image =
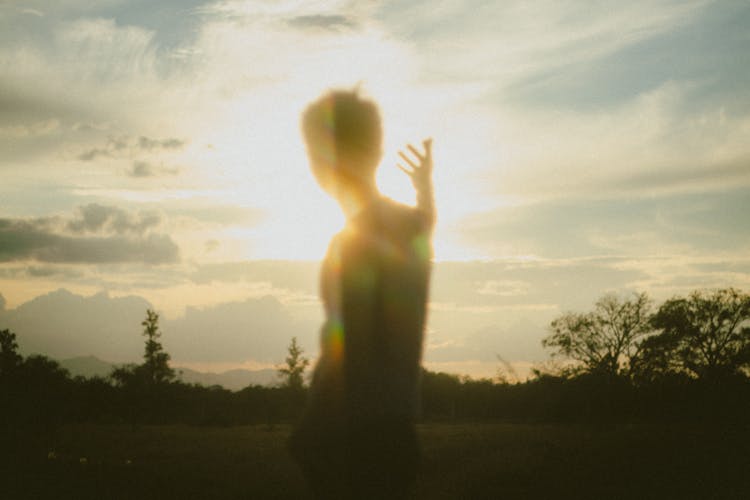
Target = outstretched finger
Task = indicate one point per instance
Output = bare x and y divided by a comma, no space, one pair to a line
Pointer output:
405,170
427,144
414,150
407,159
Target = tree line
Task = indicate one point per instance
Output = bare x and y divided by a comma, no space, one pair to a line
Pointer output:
626,359
704,336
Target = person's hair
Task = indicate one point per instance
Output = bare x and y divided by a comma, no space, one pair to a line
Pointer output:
343,135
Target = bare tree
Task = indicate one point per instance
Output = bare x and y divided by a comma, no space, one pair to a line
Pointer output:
506,374
605,339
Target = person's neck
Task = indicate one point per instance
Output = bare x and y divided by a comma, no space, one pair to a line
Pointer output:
355,200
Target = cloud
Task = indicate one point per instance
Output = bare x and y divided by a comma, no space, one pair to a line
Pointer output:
211,245
254,329
32,124
128,147
95,218
508,288
33,12
525,284
111,70
49,272
65,324
22,241
713,37
143,169
93,154
22,107
136,149
519,340
96,234
700,222
515,40
53,271
331,22
653,144
62,324
694,177
289,281
31,130
207,212
148,144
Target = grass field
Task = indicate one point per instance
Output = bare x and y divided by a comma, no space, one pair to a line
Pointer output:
460,461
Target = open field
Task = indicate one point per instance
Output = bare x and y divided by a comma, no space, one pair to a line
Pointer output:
461,461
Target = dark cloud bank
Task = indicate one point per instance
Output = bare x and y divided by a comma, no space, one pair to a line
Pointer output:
97,234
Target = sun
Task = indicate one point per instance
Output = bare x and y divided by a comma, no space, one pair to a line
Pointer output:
257,159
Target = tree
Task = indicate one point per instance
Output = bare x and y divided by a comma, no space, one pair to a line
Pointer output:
9,357
156,361
145,389
606,339
294,371
705,335
155,369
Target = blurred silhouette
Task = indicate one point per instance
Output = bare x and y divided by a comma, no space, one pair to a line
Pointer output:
357,437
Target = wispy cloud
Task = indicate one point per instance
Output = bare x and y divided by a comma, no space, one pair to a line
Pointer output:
330,22
638,226
144,169
128,147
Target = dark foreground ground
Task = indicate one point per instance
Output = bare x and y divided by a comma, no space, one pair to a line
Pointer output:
461,461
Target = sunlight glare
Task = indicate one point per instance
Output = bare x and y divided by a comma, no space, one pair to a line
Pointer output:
256,151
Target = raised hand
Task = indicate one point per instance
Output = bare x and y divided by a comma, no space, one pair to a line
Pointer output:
419,170
419,164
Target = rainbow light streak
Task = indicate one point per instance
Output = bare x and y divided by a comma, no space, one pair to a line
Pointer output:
335,340
421,246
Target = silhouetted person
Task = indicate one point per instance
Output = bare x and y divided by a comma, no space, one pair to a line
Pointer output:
357,438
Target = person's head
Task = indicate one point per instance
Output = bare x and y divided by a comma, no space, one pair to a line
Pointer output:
343,136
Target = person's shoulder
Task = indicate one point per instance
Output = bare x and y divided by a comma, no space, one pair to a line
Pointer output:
407,217
333,252
386,216
396,210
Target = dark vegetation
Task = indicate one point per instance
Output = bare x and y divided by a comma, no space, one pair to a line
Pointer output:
487,460
633,386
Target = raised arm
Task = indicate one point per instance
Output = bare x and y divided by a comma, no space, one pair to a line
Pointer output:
419,169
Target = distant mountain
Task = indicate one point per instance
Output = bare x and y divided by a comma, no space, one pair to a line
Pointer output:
91,366
232,379
87,366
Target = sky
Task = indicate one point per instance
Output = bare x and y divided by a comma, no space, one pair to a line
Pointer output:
150,156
